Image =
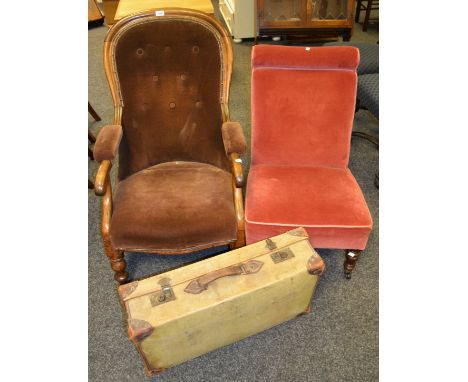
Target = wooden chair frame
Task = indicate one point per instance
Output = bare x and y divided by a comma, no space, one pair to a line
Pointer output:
103,183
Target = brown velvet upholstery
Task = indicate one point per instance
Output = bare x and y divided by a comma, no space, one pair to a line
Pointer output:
107,143
172,206
169,77
169,73
233,137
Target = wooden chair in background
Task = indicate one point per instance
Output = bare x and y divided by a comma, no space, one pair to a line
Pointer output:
92,138
179,168
368,7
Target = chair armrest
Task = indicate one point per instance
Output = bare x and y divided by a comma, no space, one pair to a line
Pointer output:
102,177
237,171
107,143
233,138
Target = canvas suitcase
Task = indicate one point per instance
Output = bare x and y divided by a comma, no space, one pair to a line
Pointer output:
192,310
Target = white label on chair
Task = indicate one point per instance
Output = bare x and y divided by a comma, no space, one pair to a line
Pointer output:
159,13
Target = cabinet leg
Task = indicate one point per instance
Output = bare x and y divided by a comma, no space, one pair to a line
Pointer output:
347,35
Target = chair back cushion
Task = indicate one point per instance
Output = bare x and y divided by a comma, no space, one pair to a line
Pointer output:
303,102
169,72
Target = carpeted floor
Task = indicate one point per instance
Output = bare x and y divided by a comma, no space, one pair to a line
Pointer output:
338,341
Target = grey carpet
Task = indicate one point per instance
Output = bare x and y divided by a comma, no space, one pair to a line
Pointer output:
338,341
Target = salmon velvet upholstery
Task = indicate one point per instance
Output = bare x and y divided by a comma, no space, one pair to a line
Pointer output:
303,103
175,192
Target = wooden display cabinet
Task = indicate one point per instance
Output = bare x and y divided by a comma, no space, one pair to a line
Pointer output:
314,18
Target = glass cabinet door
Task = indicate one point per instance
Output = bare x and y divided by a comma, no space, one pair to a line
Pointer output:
330,9
276,12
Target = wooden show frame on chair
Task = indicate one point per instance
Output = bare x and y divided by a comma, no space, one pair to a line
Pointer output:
103,183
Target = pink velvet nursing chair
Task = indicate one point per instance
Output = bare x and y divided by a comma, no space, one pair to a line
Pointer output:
303,103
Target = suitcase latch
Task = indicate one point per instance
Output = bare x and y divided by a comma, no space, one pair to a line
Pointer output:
166,293
282,255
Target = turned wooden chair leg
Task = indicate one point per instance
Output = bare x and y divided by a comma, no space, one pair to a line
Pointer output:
93,113
117,261
351,257
116,257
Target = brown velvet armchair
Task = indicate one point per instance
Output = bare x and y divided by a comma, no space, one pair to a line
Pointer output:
179,169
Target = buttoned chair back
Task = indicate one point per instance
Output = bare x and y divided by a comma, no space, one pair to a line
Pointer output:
303,102
169,74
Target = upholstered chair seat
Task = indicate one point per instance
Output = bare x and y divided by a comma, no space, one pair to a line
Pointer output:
303,101
326,201
174,207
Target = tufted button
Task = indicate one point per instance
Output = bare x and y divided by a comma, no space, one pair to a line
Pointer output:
172,105
167,49
198,104
155,78
139,51
195,49
183,77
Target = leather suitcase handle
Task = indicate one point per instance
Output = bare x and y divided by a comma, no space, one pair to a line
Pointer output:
200,284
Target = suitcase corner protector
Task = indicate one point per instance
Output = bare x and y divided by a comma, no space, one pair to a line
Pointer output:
152,371
315,265
138,330
127,289
299,231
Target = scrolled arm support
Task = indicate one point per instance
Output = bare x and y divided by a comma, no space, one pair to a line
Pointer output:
237,171
235,145
102,178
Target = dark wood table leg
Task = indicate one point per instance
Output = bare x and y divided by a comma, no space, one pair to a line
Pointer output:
366,19
358,11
